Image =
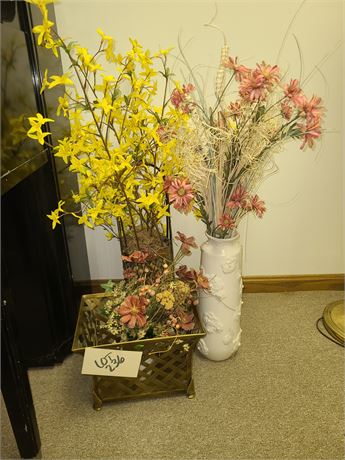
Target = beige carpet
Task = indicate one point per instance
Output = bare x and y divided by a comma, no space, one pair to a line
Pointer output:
280,397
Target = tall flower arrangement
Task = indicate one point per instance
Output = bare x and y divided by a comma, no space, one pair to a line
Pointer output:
122,143
228,148
122,146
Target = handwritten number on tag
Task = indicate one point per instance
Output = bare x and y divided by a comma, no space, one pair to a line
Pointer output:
110,363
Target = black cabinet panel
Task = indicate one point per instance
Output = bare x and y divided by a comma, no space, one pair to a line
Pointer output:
16,390
38,270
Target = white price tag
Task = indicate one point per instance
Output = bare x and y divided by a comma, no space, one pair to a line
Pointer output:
115,363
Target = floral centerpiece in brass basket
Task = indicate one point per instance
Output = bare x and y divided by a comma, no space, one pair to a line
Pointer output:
150,311
122,147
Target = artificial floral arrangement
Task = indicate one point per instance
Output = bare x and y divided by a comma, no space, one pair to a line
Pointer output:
229,148
155,299
122,147
122,143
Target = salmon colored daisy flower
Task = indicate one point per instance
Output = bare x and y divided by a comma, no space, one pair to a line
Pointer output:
180,193
226,222
253,88
240,71
258,206
238,198
270,73
132,311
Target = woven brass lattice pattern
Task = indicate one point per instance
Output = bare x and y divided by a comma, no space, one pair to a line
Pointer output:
166,364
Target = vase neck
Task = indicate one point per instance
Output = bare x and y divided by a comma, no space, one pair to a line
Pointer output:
223,240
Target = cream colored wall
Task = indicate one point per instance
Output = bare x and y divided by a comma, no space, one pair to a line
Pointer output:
302,232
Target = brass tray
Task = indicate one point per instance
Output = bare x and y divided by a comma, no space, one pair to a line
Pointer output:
334,320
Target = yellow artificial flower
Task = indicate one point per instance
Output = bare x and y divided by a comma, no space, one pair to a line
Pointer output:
93,213
38,135
109,236
77,165
163,212
54,216
76,197
38,120
166,298
83,220
57,80
50,43
63,150
104,105
197,213
63,105
45,82
60,204
232,124
41,4
145,201
43,31
35,132
87,59
109,50
163,52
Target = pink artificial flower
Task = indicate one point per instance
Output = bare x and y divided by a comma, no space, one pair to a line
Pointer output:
167,183
178,97
310,131
258,206
187,242
293,91
188,88
185,320
253,88
299,101
137,257
226,222
184,274
201,280
180,193
235,108
269,73
128,273
312,109
238,199
286,110
132,311
164,134
240,71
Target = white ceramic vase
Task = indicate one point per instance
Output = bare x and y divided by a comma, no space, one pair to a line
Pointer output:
220,310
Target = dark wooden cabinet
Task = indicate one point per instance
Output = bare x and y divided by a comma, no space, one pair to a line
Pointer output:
38,275
38,308
35,259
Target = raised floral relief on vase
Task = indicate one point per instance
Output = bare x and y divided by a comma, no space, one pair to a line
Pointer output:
220,309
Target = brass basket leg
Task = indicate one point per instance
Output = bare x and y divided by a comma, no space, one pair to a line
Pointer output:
191,389
97,402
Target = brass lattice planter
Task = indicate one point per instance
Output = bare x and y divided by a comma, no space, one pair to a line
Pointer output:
166,364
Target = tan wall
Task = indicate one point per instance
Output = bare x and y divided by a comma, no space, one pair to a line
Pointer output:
302,232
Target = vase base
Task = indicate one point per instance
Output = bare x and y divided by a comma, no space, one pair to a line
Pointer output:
215,355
